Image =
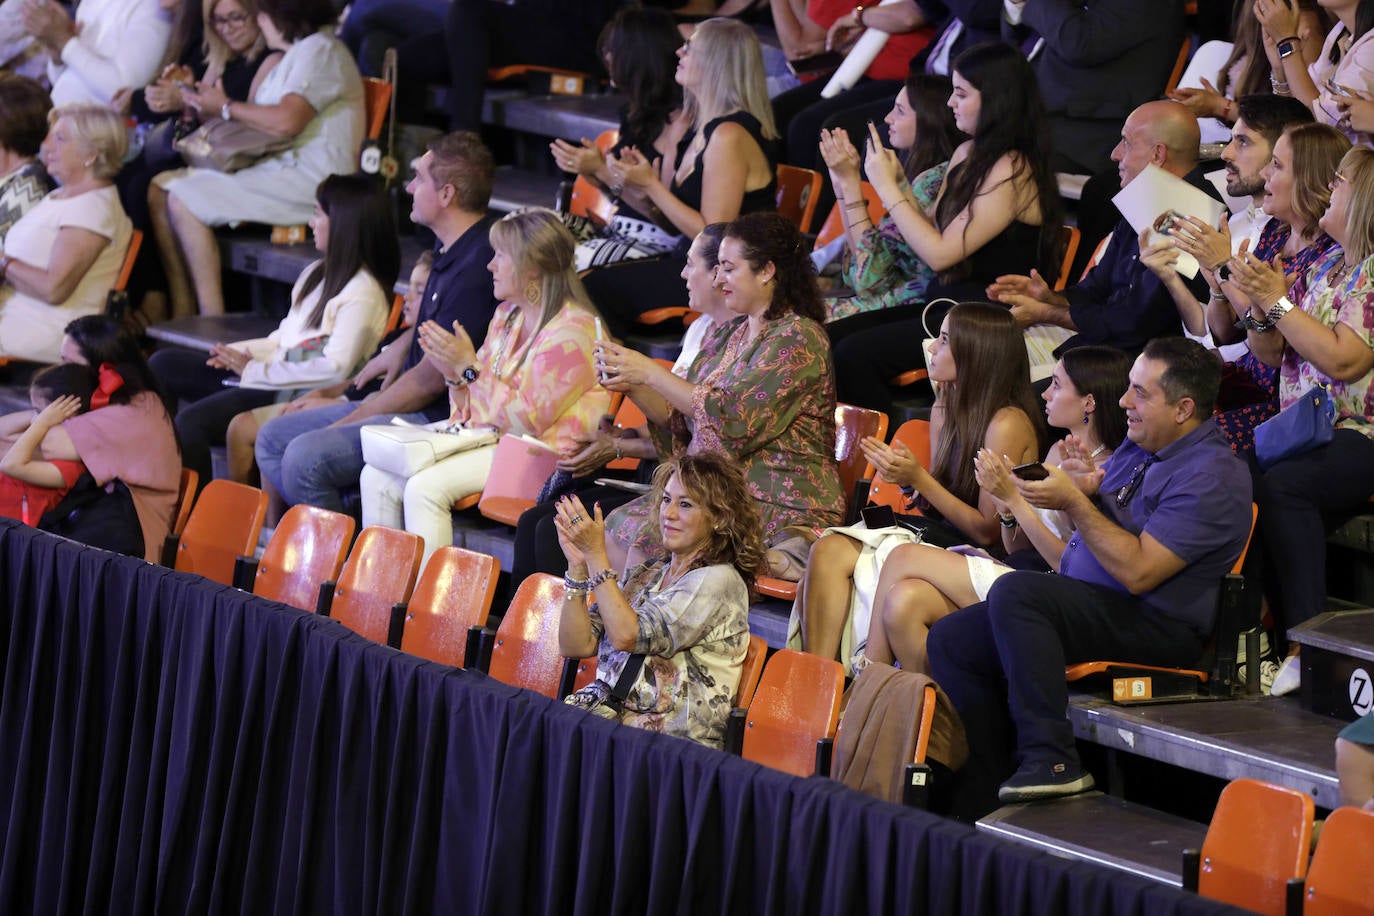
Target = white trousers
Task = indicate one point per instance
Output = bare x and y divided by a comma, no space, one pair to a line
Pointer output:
423,504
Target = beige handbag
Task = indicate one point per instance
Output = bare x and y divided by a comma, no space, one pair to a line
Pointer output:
227,146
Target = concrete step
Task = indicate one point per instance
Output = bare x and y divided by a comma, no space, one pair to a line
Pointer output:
1337,661
516,189
1103,830
1269,738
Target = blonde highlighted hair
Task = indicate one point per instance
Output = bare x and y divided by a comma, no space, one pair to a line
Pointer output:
99,132
1357,168
218,54
728,55
538,243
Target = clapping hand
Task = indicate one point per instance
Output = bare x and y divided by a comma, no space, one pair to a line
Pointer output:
1057,491
594,451
894,463
1210,245
883,168
1077,461
222,357
1158,254
632,170
1206,102
580,159
1263,282
993,473
49,23
581,534
449,353
841,158
206,97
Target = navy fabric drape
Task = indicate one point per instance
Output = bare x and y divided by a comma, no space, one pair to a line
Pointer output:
170,745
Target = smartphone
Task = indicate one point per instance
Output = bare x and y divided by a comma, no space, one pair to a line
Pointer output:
600,335
1031,470
876,517
183,85
1336,88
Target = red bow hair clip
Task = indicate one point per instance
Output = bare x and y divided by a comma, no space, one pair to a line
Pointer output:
110,382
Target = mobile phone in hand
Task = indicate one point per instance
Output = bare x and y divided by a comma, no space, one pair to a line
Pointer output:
1031,470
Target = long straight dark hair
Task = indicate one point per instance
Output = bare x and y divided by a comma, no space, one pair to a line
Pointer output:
1011,120
362,236
992,372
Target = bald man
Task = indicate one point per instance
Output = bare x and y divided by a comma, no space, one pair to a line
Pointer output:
1120,303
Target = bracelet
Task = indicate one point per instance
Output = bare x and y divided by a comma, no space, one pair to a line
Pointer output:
224,111
604,576
1279,86
618,456
857,204
1218,295
902,200
576,586
1007,522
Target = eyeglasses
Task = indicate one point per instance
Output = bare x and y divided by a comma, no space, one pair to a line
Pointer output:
1127,492
221,22
1337,179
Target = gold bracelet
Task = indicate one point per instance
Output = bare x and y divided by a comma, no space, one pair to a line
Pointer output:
903,200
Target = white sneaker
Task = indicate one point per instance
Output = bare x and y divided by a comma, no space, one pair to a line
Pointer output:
1288,678
1240,647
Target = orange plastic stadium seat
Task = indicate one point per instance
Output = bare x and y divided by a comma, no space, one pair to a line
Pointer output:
453,594
526,650
307,550
1260,838
1340,881
224,525
376,581
797,703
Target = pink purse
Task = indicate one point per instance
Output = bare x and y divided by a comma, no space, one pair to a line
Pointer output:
521,466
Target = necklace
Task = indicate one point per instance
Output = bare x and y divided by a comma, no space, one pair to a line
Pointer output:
1097,451
1337,274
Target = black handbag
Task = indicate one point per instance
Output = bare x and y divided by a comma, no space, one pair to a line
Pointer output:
98,516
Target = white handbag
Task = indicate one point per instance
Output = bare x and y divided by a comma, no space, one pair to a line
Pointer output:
406,450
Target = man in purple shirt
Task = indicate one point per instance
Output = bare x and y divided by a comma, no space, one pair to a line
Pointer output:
1156,528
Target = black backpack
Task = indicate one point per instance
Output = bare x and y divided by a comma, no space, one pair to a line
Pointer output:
99,516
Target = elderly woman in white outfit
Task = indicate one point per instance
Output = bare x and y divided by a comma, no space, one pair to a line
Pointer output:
315,97
63,256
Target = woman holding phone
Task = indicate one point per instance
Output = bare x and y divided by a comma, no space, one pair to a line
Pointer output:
996,411
997,211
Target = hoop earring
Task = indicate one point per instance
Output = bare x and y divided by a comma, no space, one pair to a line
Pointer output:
533,293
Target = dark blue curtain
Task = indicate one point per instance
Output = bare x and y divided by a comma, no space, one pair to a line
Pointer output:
169,745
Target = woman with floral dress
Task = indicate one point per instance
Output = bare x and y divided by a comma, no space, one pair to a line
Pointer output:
765,397
1321,332
671,634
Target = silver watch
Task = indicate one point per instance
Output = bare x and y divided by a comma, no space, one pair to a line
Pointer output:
224,111
1278,310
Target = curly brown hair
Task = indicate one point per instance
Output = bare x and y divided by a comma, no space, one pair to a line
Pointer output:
768,237
717,484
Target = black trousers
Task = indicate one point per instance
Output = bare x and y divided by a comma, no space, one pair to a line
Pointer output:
209,405
536,538
1296,497
1002,664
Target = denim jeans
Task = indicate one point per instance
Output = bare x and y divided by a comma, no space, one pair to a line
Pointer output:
311,462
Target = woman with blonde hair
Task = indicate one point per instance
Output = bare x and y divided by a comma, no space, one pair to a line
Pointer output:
1318,333
62,257
532,376
724,167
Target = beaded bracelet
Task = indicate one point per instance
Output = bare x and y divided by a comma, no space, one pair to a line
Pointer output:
604,576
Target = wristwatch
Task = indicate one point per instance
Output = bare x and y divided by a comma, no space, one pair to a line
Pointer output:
1278,310
464,379
1287,46
224,111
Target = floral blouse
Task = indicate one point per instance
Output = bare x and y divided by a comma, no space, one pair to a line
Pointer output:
1238,424
694,634
545,388
883,271
1350,302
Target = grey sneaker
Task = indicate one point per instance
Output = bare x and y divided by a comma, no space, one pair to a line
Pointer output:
1288,678
1036,781
1268,668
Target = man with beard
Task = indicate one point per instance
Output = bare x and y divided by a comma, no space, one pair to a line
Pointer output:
1260,120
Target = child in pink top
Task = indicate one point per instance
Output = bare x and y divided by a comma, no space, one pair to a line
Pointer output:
29,484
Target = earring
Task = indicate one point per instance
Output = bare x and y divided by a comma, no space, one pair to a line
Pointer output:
533,292
90,162
1086,417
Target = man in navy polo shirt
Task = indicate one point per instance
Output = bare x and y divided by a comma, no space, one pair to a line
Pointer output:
313,454
1156,528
